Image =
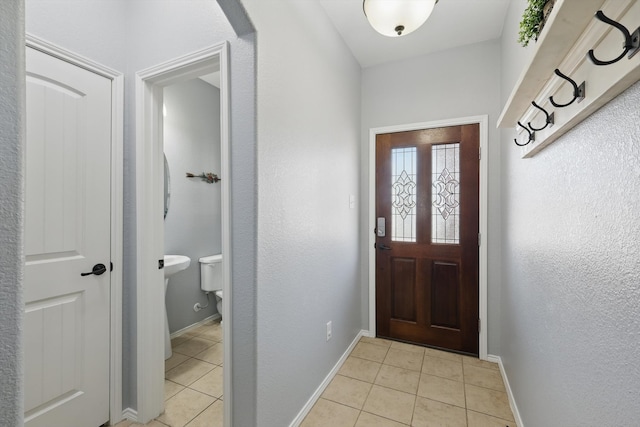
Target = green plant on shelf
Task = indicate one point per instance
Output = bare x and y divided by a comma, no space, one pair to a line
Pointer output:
532,21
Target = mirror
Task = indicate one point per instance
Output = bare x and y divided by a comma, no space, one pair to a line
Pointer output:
167,187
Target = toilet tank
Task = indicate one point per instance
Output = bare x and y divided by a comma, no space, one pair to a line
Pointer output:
211,273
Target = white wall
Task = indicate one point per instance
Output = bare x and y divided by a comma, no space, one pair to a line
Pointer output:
12,89
136,34
160,30
193,225
454,83
308,157
571,264
95,29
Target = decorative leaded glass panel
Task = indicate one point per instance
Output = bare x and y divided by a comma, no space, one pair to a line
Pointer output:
403,194
445,206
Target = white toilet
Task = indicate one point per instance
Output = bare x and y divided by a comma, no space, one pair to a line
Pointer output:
211,277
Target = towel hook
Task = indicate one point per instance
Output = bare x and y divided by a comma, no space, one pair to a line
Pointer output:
208,177
578,91
532,136
548,121
631,41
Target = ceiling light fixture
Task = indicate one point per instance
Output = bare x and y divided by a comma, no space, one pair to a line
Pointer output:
394,18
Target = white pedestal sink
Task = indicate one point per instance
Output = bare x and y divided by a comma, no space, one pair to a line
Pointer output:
172,264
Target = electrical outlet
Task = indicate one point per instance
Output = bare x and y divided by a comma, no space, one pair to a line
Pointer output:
328,330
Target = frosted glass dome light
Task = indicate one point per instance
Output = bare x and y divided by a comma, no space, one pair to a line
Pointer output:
394,18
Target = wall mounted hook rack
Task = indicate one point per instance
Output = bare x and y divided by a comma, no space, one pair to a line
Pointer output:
631,41
572,29
549,118
532,136
579,92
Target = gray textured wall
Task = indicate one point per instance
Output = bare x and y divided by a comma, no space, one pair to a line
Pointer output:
571,265
193,225
435,87
161,30
308,153
244,211
12,87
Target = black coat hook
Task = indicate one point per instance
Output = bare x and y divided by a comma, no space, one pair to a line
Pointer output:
578,91
548,121
631,41
532,136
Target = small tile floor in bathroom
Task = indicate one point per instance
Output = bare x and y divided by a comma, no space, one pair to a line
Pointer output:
193,380
391,384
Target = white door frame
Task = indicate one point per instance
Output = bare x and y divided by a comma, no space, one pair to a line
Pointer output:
150,221
483,121
117,114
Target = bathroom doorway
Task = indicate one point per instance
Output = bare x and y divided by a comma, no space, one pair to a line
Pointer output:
152,86
193,226
192,208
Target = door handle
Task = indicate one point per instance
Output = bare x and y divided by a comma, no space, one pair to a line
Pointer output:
384,247
98,269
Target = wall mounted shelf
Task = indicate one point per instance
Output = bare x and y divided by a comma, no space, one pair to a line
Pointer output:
570,32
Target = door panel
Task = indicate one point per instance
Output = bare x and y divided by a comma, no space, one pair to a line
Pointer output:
403,287
445,295
427,189
67,232
53,340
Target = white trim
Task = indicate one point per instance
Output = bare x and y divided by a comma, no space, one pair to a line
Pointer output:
117,206
150,340
316,395
117,116
225,162
484,232
483,121
512,400
150,224
71,57
129,414
195,325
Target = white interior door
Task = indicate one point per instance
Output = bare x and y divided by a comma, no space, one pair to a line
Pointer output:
67,232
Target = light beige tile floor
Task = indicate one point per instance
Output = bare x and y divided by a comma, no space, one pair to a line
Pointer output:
193,381
390,384
381,384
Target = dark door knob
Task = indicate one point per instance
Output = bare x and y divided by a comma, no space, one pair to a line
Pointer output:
98,269
384,247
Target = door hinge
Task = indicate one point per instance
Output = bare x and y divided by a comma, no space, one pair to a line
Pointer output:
160,264
111,266
479,153
479,325
479,239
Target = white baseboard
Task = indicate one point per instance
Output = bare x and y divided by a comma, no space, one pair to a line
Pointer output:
130,414
314,398
512,400
195,325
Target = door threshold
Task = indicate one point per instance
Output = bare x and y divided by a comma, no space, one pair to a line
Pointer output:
433,347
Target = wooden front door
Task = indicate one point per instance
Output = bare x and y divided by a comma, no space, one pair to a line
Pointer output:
427,207
67,233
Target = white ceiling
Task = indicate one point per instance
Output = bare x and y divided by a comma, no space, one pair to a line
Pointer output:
453,23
